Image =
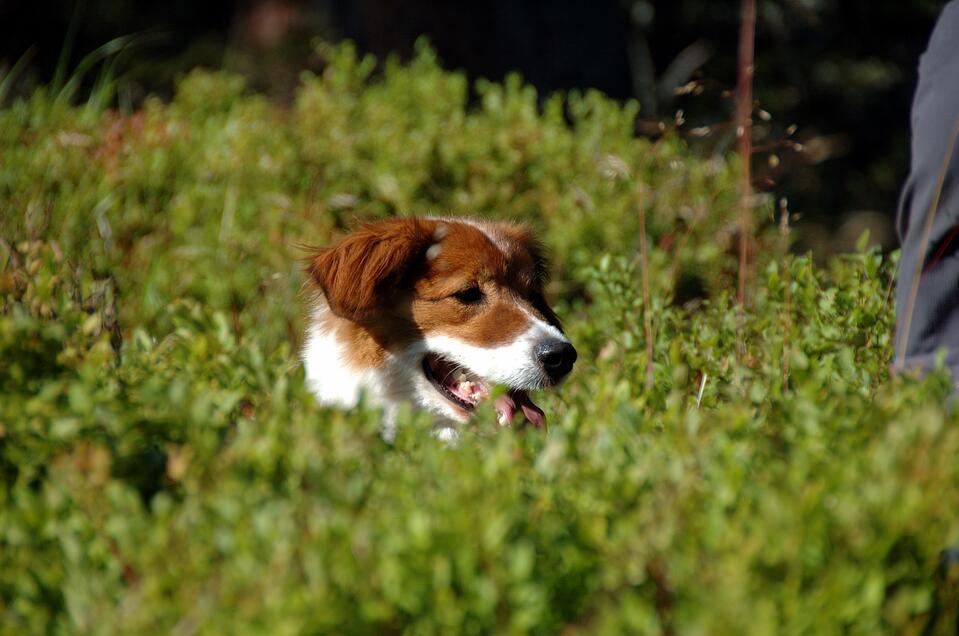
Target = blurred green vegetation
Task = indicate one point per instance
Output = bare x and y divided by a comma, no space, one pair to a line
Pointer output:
833,84
164,470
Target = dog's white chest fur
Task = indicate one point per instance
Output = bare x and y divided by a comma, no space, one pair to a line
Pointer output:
336,381
329,376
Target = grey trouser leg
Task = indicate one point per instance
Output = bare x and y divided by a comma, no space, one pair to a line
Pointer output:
934,321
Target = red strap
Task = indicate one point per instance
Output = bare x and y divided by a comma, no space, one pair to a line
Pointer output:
932,262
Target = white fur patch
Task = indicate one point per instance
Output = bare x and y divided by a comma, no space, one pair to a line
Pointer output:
446,433
328,375
514,364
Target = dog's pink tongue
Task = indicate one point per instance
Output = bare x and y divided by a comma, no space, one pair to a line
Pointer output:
506,405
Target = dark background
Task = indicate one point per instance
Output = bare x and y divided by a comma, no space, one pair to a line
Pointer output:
841,71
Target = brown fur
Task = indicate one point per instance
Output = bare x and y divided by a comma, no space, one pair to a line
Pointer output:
362,271
384,291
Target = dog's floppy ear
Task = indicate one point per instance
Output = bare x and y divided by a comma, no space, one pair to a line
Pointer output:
364,269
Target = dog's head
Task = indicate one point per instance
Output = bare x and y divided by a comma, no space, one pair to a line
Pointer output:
456,305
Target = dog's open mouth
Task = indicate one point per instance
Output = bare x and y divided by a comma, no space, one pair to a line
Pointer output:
458,385
465,390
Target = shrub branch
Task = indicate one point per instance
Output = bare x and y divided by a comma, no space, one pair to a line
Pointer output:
744,102
644,270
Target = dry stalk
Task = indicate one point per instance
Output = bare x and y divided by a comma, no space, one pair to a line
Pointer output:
787,282
644,273
702,387
744,108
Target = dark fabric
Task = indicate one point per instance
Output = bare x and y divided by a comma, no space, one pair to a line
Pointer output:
935,315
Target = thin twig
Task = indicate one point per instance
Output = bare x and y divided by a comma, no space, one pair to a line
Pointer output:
644,272
702,387
787,282
903,335
744,108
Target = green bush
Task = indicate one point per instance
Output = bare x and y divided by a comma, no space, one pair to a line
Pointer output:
164,469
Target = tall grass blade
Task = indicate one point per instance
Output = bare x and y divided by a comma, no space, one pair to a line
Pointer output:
10,78
112,48
63,61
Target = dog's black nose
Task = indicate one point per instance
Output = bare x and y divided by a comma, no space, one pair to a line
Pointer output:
556,356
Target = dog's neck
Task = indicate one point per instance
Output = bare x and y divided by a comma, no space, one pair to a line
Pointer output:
345,361
341,359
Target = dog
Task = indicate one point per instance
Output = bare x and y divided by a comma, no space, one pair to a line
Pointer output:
435,312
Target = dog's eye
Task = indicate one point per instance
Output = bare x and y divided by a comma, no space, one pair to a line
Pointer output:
470,295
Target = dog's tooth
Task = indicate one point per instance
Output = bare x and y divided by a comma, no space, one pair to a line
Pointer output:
501,419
